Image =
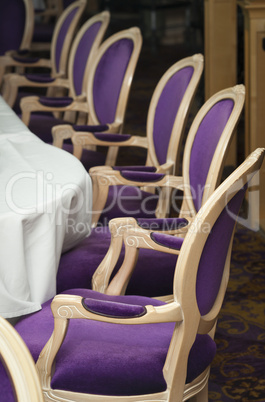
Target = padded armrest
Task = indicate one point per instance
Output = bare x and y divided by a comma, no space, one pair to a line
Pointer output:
91,128
24,60
136,168
142,176
55,102
167,240
40,78
113,309
112,137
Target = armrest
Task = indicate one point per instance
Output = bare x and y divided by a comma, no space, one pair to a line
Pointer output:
125,140
102,179
12,82
16,60
65,307
31,104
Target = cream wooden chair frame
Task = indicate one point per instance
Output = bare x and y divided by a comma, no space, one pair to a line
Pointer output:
19,363
13,81
26,39
183,309
104,176
65,83
86,106
196,61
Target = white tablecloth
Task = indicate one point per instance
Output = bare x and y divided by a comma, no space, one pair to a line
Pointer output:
45,208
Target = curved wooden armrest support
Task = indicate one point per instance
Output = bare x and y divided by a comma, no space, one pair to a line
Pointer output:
127,231
103,178
61,133
31,104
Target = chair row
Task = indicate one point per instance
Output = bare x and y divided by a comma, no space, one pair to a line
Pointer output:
89,346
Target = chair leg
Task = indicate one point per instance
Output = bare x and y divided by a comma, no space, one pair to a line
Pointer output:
202,396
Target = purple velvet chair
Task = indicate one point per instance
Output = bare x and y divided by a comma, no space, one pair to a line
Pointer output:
109,78
18,14
141,348
204,154
45,23
57,64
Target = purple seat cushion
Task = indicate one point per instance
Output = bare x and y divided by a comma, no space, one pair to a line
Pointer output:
152,276
89,158
41,124
102,358
128,201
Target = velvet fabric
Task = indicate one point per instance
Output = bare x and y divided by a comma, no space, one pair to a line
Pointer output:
42,78
214,254
204,146
89,158
136,168
167,106
112,137
167,240
55,102
20,59
91,128
152,276
113,309
141,176
82,53
109,88
162,224
128,201
110,359
41,124
12,14
61,37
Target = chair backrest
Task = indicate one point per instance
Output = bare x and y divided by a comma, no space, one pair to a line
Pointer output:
63,35
203,264
111,75
83,51
19,364
16,24
207,145
168,111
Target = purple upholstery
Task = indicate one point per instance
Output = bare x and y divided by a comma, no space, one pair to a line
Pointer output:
62,36
214,254
41,124
112,137
109,77
91,129
162,224
89,158
128,201
167,108
55,102
101,358
167,240
77,266
42,78
26,59
11,11
113,309
136,168
141,176
81,57
204,146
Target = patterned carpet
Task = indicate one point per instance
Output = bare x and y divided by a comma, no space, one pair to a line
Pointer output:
238,371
